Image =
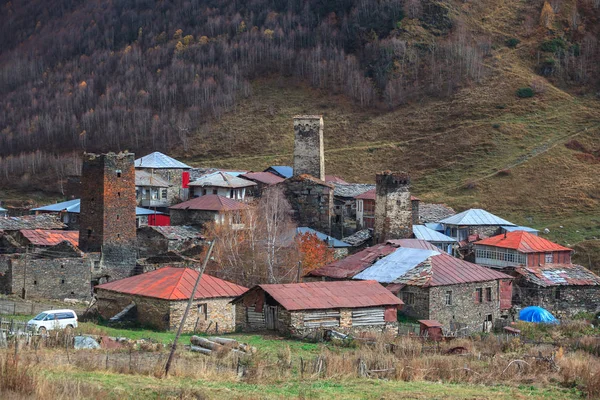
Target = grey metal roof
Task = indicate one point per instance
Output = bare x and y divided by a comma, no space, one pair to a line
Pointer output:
424,233
73,206
159,160
283,170
475,217
519,228
3,209
436,226
395,265
143,178
222,179
331,241
358,238
351,189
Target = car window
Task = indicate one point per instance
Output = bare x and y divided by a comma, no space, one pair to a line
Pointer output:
40,317
49,317
66,315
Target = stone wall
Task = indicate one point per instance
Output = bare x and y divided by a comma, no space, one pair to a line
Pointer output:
57,278
416,301
561,301
393,207
191,217
311,201
464,311
166,315
309,156
220,316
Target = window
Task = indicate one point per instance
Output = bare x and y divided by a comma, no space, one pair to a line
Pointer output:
232,194
203,311
163,194
548,258
360,205
488,294
89,233
215,191
35,282
203,192
118,194
62,281
557,294
118,216
449,297
478,295
118,173
408,298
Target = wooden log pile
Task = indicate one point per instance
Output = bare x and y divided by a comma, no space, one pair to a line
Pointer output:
215,344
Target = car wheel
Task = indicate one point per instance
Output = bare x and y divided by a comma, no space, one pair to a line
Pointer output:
69,329
42,330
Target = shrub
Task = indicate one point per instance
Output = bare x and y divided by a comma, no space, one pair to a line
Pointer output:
553,45
496,126
512,42
503,172
525,92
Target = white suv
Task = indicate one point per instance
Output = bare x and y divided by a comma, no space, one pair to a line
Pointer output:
53,319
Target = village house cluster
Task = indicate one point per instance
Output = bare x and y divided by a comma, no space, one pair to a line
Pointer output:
130,233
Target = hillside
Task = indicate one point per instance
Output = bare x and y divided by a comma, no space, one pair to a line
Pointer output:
420,85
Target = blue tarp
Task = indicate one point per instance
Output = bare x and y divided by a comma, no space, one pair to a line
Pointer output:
537,314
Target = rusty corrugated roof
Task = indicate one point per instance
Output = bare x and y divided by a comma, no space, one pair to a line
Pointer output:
413,244
42,221
448,270
326,295
42,237
349,266
559,275
170,283
522,241
211,202
267,178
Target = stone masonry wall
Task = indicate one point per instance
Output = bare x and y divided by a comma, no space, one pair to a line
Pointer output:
561,301
191,217
149,312
419,308
464,309
175,193
57,278
220,316
393,207
312,203
309,156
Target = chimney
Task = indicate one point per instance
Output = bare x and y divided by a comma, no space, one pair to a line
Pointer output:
309,156
393,207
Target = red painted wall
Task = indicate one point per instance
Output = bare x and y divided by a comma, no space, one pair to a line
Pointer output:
159,220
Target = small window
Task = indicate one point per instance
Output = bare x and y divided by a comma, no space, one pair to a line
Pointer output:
62,281
118,216
62,266
119,194
203,311
203,192
118,173
557,294
163,194
548,258
488,294
35,282
478,295
232,194
215,191
89,233
408,298
449,297
118,236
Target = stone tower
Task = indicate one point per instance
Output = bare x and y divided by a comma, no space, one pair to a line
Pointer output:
309,156
393,207
107,213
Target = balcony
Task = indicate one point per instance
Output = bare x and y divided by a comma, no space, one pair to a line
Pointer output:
154,203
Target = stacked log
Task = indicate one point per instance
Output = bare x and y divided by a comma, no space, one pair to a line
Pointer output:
214,344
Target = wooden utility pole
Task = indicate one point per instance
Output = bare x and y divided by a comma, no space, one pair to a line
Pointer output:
187,309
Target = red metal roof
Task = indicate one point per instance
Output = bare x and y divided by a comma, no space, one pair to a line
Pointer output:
559,275
448,270
372,195
522,241
211,202
355,263
42,237
263,177
325,295
170,283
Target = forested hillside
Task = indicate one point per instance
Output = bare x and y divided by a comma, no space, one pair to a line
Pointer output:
144,75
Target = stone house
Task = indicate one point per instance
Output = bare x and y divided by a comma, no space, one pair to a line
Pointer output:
263,180
345,201
174,172
563,289
519,248
161,296
433,285
209,208
311,200
438,239
297,309
473,223
156,240
222,184
57,272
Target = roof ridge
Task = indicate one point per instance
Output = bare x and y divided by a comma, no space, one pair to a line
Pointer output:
176,286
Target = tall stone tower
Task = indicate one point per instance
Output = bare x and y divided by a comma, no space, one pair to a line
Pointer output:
309,156
107,212
393,207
